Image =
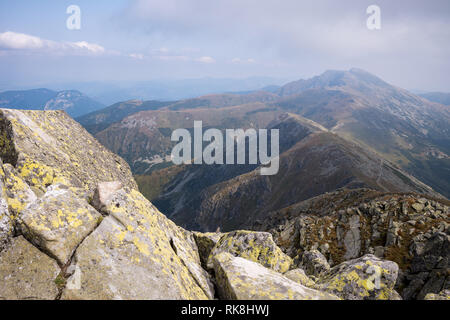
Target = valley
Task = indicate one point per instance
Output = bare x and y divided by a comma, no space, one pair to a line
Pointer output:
341,129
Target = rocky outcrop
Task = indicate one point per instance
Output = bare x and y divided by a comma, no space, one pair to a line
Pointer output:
49,147
74,226
409,229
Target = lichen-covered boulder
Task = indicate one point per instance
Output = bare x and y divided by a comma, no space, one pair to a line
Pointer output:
205,243
26,272
241,279
137,253
254,246
18,193
58,221
443,295
313,263
299,276
48,147
365,278
6,227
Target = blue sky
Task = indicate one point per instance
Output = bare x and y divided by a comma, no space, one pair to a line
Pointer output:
175,39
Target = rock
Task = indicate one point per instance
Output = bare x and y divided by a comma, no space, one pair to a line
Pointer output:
50,147
18,192
27,273
6,227
58,222
388,228
254,246
365,278
418,207
352,239
428,272
392,233
137,253
443,295
205,243
314,263
299,276
241,279
103,191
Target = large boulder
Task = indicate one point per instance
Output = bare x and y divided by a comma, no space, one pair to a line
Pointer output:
58,221
137,253
241,279
27,273
49,147
254,246
365,278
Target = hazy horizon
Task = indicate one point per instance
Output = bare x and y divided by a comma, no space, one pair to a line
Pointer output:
137,40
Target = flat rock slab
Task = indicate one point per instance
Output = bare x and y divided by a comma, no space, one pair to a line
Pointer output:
58,222
26,272
241,279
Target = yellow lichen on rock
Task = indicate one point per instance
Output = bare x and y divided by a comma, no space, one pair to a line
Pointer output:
254,246
50,147
58,222
137,253
18,192
242,279
364,278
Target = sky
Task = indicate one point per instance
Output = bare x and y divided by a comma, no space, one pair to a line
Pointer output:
136,40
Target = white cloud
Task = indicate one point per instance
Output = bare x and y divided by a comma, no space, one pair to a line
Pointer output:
24,42
241,61
13,40
138,56
172,57
205,59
